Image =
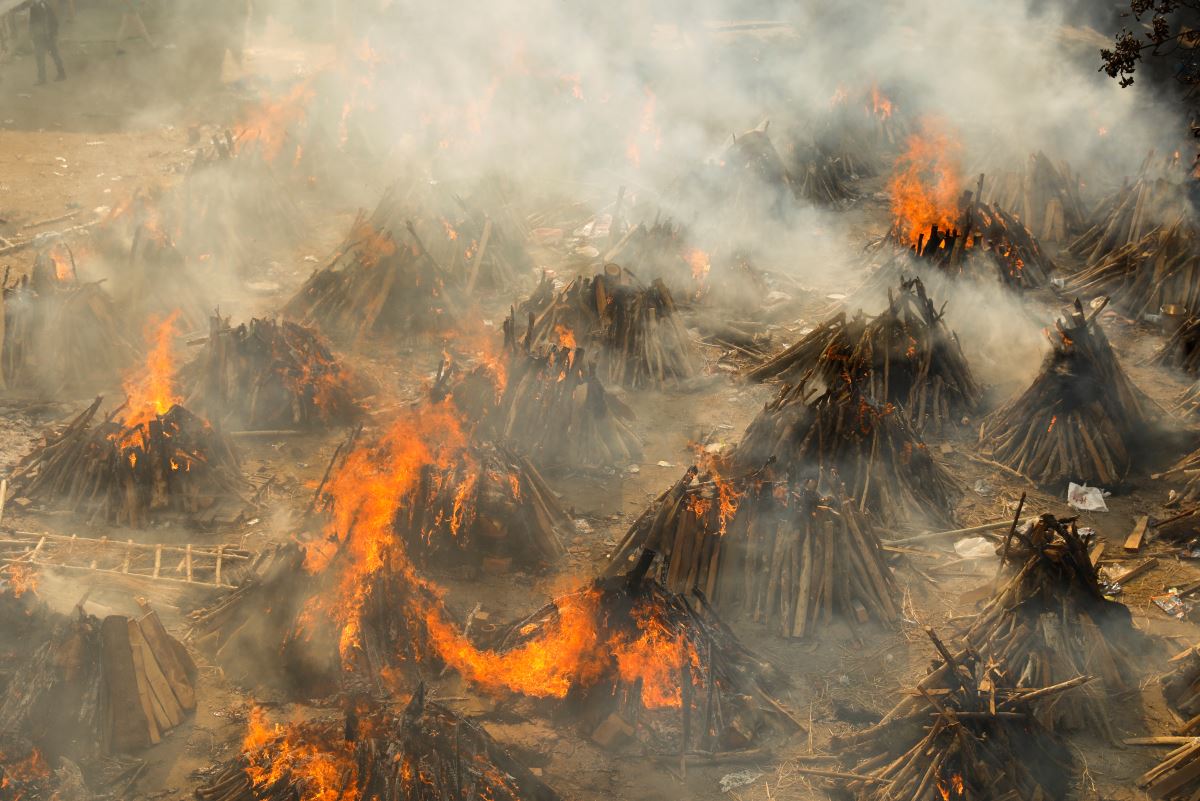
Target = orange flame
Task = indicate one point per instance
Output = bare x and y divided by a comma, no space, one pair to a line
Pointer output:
699,262
22,578
151,391
271,123
925,186
566,337
277,752
881,105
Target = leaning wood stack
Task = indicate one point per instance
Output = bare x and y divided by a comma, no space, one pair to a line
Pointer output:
101,687
782,555
1177,777
812,431
1181,688
1045,196
1081,420
965,732
426,753
158,280
1142,277
174,466
270,375
1050,622
906,355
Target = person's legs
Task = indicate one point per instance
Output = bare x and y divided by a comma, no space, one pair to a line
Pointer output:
58,62
39,53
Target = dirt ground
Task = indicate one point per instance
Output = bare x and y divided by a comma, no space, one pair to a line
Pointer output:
75,148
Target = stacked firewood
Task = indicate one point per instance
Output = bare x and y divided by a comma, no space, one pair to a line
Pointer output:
58,333
1181,688
1187,472
1177,776
268,375
784,555
488,507
906,355
1045,196
1161,268
661,249
101,686
659,664
636,329
174,465
822,175
868,445
1182,348
1134,211
965,732
1082,419
382,280
1050,622
426,753
159,280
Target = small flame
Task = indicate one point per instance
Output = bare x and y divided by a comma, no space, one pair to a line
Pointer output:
699,262
566,337
881,105
1050,427
22,578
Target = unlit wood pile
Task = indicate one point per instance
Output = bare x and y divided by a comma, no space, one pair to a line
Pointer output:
1187,472
555,409
426,753
1176,777
636,328
822,176
659,664
906,355
488,507
58,333
753,163
1132,212
101,686
870,447
784,555
661,249
268,375
174,466
1082,419
1044,196
1182,348
1162,268
1051,622
381,281
964,733
1181,688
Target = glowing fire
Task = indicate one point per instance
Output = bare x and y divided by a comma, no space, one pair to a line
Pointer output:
699,262
1050,427
270,124
151,391
276,752
22,578
64,266
881,105
924,186
951,788
21,771
566,337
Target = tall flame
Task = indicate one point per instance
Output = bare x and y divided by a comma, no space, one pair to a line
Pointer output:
925,184
151,390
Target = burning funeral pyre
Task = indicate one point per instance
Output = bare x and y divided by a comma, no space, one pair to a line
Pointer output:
1082,419
158,279
1044,196
426,753
781,554
1051,622
99,687
906,355
966,732
810,431
59,333
148,459
636,330
270,374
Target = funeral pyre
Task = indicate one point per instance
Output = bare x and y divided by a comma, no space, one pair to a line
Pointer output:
906,355
1080,419
270,374
635,328
1050,622
147,460
965,732
780,553
424,753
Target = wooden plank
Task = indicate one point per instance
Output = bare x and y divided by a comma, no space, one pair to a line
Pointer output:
1134,541
1097,553
128,557
217,575
159,684
158,561
145,696
130,731
167,656
188,561
1137,570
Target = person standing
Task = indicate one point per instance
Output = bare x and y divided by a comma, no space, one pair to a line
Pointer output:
43,31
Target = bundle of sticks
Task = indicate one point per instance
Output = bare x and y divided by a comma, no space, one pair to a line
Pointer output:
1128,215
381,280
174,465
866,444
658,663
906,355
1181,688
1045,196
1177,776
784,555
101,686
159,280
661,248
1081,419
1187,472
636,329
753,167
426,753
268,375
1182,348
965,732
487,508
1161,268
57,333
822,175
1050,621
555,409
